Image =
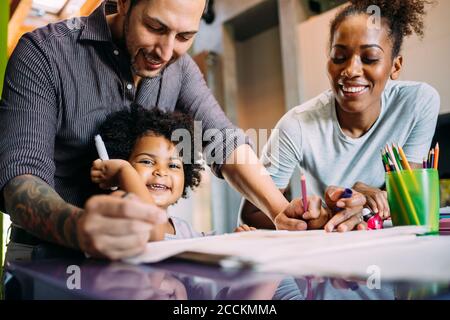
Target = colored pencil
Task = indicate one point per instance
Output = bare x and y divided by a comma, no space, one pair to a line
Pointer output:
304,193
432,159
408,169
386,168
436,156
397,157
391,165
404,159
403,188
391,154
429,160
385,161
388,157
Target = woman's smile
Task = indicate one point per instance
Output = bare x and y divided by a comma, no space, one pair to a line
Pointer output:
353,90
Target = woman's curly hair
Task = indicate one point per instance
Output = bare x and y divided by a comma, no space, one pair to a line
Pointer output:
122,129
403,17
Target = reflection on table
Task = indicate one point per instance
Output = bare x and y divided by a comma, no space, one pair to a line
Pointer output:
51,279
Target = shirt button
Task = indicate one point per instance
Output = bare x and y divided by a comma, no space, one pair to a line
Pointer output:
129,86
116,52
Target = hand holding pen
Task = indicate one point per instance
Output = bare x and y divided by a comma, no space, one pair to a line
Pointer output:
313,213
347,209
316,216
101,148
294,217
103,155
376,198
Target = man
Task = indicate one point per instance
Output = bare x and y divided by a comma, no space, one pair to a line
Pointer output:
61,82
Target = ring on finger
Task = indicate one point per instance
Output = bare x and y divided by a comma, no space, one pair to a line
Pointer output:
360,218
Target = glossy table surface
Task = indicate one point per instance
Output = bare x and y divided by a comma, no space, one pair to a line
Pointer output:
95,279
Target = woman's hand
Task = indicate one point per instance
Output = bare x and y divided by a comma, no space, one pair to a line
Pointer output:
349,215
376,199
105,172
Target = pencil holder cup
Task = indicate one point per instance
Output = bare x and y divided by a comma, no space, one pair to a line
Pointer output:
413,198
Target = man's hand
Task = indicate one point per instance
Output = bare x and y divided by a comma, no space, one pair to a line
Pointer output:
106,172
376,199
291,217
350,215
295,218
115,228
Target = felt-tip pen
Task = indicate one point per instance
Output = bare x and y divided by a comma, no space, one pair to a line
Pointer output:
373,220
348,193
101,149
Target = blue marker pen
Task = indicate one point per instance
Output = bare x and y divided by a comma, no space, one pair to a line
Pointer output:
348,193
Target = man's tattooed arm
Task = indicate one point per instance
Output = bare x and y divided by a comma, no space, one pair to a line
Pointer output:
36,207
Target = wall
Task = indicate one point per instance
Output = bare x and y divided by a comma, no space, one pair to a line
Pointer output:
210,37
426,60
258,101
260,81
429,60
312,39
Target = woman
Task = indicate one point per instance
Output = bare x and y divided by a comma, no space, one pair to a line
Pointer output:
336,137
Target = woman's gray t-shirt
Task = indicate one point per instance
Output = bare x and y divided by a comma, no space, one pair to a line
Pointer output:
310,136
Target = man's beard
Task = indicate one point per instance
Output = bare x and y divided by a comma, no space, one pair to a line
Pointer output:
145,55
135,70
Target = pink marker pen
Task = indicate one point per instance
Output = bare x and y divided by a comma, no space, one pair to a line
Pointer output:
373,220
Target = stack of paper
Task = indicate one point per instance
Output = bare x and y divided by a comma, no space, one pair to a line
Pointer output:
444,221
397,252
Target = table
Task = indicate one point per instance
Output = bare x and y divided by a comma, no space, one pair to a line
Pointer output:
172,279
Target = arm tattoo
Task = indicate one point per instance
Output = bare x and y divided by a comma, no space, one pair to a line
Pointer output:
36,207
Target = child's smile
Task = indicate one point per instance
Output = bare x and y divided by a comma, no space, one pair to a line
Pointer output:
155,187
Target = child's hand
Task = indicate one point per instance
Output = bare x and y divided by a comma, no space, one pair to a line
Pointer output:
243,228
105,172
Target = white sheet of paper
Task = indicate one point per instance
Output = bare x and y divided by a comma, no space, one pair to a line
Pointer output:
410,259
270,249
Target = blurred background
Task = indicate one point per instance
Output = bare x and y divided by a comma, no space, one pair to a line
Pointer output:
260,58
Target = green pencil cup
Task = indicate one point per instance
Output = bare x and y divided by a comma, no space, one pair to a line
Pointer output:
413,198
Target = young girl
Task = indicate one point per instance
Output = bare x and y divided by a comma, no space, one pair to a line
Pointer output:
336,137
147,163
